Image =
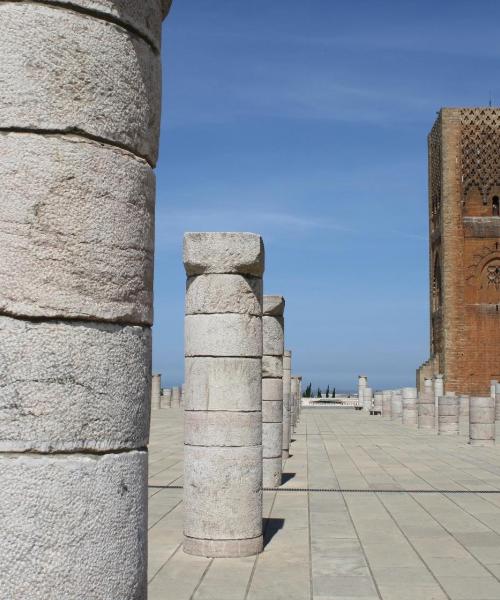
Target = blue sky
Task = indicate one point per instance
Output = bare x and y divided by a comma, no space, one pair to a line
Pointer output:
306,122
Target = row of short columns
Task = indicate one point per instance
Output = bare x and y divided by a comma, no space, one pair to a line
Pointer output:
165,397
239,407
433,410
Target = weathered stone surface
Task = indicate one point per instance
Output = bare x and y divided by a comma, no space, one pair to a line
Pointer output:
271,439
273,306
223,335
287,393
156,391
145,16
272,411
272,471
481,421
223,252
273,335
73,385
55,73
219,428
175,400
223,548
73,526
166,398
233,293
272,366
231,509
76,229
272,389
386,404
232,384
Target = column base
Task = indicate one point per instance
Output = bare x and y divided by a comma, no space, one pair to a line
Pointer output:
223,548
272,471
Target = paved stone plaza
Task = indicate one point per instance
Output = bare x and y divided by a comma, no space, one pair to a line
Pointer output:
404,526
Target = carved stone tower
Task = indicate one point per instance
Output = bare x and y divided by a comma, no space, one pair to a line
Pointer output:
464,253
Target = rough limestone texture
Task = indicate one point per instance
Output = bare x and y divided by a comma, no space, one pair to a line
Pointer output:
78,244
367,398
73,385
409,400
176,397
438,392
223,335
57,77
156,391
272,366
223,395
481,421
232,293
464,405
144,17
377,402
221,252
73,526
221,383
396,406
448,417
272,392
287,392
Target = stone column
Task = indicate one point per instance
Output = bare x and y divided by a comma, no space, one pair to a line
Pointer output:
409,400
367,399
463,414
497,401
481,421
79,128
362,384
287,373
155,391
272,390
377,402
299,397
396,406
181,395
448,407
176,397
438,392
386,404
426,406
166,398
223,399
493,385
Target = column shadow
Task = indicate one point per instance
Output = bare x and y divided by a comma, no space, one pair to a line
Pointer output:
271,526
286,477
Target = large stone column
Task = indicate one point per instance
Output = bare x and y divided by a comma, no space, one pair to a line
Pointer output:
79,127
272,390
156,391
409,400
426,406
287,382
223,395
481,421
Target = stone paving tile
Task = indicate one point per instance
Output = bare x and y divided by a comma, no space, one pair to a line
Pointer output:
344,545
